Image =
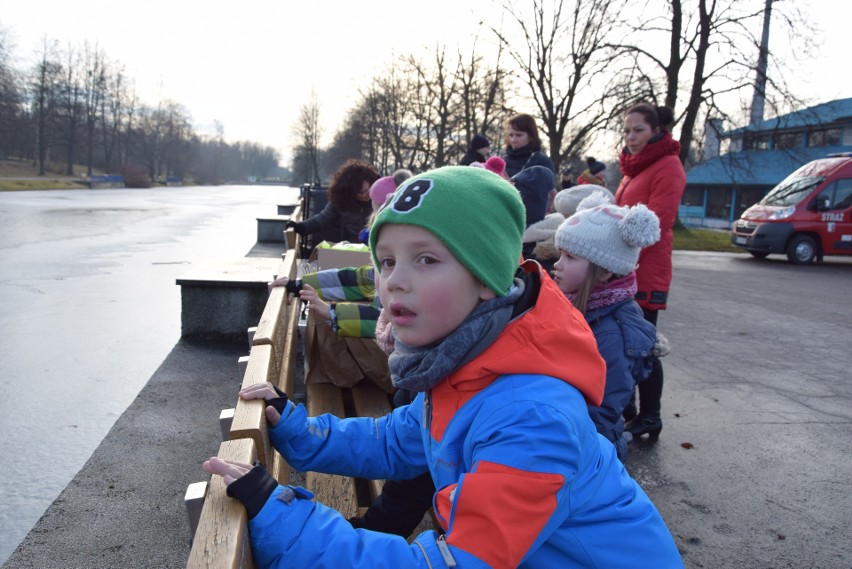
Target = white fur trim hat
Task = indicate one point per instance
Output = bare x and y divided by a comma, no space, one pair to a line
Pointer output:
608,235
566,201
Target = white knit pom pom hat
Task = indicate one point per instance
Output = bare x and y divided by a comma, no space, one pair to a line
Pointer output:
608,235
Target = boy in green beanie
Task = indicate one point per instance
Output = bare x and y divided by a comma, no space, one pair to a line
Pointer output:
504,367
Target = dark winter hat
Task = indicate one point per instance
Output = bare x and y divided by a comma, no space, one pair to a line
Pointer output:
608,235
534,184
595,166
447,202
478,141
535,179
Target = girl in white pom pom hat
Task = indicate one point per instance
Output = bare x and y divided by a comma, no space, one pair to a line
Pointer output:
599,247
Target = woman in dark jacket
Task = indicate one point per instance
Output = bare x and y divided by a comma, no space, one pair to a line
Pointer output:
523,146
478,150
652,175
349,204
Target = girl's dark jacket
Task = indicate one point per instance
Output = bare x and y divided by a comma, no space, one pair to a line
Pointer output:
626,342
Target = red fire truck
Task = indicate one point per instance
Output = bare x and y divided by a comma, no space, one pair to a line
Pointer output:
806,216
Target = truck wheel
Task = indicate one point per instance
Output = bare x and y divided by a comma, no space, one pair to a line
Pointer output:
758,254
801,250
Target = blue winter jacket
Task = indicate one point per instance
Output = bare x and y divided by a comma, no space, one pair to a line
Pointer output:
625,341
523,479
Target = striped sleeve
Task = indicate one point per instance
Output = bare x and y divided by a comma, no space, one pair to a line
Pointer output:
347,284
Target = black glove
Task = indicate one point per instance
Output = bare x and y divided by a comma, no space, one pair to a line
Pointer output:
293,286
298,226
253,489
280,402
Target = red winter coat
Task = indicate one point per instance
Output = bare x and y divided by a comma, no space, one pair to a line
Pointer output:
660,187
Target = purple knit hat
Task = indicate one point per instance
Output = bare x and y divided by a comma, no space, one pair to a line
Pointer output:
381,189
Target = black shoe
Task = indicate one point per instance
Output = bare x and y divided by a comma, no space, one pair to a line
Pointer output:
642,425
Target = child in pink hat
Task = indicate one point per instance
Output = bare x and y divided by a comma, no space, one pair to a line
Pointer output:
381,189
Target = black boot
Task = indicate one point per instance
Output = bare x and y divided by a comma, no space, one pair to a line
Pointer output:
645,424
650,392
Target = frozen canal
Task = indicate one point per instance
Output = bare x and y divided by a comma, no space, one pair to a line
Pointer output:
89,309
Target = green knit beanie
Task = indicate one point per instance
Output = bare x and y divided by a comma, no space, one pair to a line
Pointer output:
478,215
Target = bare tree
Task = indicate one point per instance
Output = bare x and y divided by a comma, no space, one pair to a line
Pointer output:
381,128
12,123
421,114
126,135
438,87
112,113
94,86
713,50
256,160
176,148
70,107
308,132
483,95
563,57
149,140
348,142
399,134
44,85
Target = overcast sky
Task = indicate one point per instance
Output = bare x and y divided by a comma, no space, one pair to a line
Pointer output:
251,65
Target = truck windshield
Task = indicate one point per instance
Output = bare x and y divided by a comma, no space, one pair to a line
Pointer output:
791,191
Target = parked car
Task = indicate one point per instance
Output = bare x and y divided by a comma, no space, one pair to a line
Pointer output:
806,216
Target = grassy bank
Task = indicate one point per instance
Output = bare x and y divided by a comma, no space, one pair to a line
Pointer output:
46,183
704,240
23,175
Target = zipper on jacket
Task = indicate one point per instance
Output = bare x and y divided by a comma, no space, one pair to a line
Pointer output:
445,551
427,420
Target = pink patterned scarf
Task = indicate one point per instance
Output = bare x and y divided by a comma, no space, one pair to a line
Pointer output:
610,292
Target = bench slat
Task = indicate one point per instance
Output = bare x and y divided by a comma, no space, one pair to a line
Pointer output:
272,326
294,241
287,377
370,401
249,417
334,491
222,539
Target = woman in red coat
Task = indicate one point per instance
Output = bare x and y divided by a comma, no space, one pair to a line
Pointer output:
654,176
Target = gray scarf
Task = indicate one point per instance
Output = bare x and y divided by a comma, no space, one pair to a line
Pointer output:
421,368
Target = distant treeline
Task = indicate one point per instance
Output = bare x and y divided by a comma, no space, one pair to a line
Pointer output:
75,106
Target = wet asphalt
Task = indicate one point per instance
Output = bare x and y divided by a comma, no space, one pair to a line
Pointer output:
751,469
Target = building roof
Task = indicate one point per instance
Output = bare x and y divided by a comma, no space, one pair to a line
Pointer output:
832,112
755,167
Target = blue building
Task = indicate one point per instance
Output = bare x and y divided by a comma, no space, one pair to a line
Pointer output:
760,156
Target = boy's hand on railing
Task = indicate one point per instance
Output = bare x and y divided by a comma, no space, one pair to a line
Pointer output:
229,470
251,485
276,399
265,391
